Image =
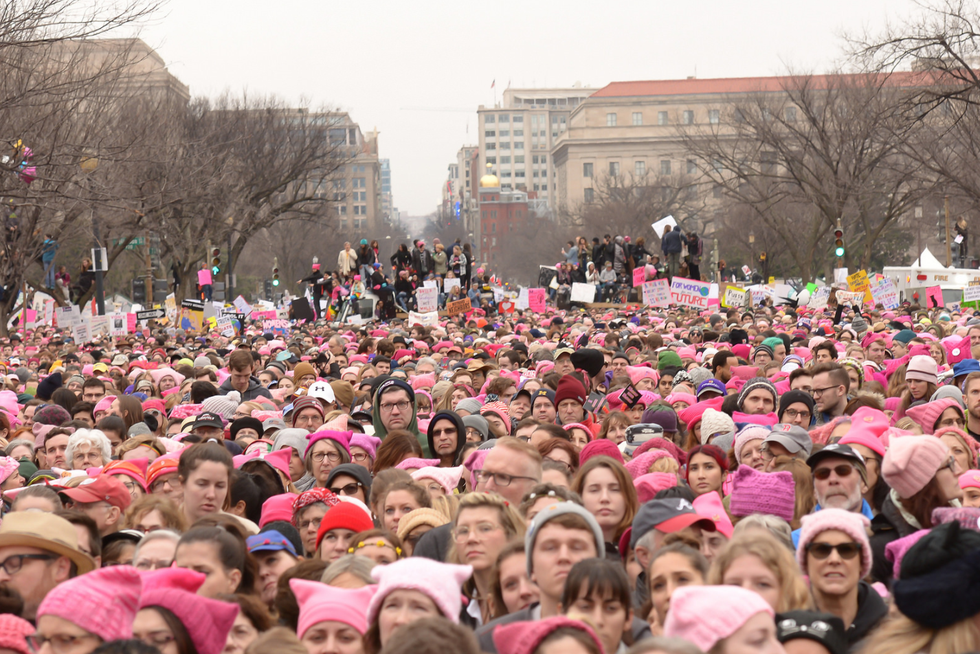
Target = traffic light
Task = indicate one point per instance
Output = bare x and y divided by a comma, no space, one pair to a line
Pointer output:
216,261
268,289
839,242
275,276
139,291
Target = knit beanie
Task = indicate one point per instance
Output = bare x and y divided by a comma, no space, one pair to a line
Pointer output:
305,402
110,598
753,384
366,442
854,525
668,359
794,397
206,620
52,414
47,386
927,414
8,466
922,367
524,637
769,493
715,422
448,478
277,507
247,422
747,434
414,463
648,485
478,423
417,518
223,405
660,415
569,388
14,632
301,370
600,447
729,608
341,438
319,602
639,466
911,461
343,516
553,511
470,405
358,472
440,582
699,375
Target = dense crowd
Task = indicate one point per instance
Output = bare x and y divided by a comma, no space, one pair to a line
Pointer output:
725,482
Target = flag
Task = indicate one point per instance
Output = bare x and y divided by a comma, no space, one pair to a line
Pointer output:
493,84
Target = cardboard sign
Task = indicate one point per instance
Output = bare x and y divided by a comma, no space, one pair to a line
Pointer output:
690,293
430,283
818,300
639,276
449,284
81,332
428,299
885,294
536,298
117,324
276,326
656,293
170,306
630,396
506,307
430,319
734,298
458,306
242,305
846,297
934,297
302,309
971,293
582,292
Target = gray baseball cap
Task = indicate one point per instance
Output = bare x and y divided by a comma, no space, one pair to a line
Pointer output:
668,516
793,438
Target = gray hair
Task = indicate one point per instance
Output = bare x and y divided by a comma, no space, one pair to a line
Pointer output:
430,361
159,534
17,442
773,524
38,490
93,438
359,566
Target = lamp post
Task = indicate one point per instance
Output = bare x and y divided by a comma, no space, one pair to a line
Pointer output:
752,248
88,166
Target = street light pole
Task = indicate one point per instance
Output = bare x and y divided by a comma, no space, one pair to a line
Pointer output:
88,165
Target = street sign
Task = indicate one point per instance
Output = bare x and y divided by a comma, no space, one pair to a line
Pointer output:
150,314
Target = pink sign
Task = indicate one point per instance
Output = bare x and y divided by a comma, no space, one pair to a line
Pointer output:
131,323
934,296
536,299
203,277
639,276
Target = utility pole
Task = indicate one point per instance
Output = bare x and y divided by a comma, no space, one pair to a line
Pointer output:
949,245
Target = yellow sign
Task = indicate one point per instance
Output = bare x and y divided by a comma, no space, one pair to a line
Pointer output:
859,282
772,281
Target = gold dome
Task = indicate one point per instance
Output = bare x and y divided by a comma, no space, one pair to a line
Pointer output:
489,181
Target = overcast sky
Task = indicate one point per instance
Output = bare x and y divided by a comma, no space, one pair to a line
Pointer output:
417,71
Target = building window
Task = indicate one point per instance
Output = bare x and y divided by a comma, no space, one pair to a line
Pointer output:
359,182
518,119
713,116
518,145
504,160
519,159
637,118
610,120
790,114
342,209
665,166
488,119
518,132
505,146
639,168
493,228
491,160
589,195
360,210
491,146
688,117
489,133
504,132
587,170
519,173
692,168
661,117
613,168
503,118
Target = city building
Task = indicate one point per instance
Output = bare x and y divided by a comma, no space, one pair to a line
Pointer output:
502,213
387,204
356,186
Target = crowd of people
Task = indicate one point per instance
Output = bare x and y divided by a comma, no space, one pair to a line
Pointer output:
726,482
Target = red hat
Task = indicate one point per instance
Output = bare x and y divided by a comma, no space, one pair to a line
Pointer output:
103,488
135,469
524,637
163,465
600,447
344,516
570,388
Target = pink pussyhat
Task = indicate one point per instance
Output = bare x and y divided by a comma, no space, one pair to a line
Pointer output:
103,602
206,620
448,478
440,582
278,507
319,602
729,607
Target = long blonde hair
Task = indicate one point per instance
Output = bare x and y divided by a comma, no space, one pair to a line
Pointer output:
793,592
902,635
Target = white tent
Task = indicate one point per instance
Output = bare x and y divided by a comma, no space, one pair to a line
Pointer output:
928,271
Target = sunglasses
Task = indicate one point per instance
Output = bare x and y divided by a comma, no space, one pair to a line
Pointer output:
349,489
821,551
842,470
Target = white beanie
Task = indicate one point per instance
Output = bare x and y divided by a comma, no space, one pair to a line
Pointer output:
715,422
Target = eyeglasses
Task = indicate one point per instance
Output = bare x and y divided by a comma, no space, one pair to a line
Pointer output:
333,457
842,470
349,489
360,457
172,484
482,530
564,466
152,564
820,391
387,407
12,564
59,642
499,478
821,551
158,639
793,413
313,522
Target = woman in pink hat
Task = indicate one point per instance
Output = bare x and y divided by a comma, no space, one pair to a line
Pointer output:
740,620
331,620
970,485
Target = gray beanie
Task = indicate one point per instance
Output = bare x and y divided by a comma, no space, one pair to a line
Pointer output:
139,429
554,511
470,405
23,374
699,375
202,362
754,383
948,391
478,423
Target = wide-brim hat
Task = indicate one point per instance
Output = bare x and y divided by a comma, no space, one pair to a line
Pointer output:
44,531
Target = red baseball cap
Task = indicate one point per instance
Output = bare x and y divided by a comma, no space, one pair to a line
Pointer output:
103,488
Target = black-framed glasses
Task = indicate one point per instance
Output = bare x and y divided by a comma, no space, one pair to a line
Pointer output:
499,478
317,457
793,413
13,564
820,391
821,551
348,489
842,470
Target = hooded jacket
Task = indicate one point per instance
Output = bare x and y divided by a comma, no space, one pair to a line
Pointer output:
390,384
254,390
460,434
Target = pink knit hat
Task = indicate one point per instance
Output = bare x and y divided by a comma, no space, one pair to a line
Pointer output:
109,599
369,444
640,465
600,447
926,415
207,621
278,507
729,607
922,367
524,637
319,602
709,506
341,438
448,478
854,525
416,463
970,479
910,463
14,632
8,466
895,550
440,582
769,493
648,485
746,435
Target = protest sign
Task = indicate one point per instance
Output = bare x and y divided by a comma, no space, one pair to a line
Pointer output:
847,297
449,284
582,292
656,293
690,293
661,224
458,306
971,293
428,319
277,326
536,299
934,297
734,298
428,299
885,294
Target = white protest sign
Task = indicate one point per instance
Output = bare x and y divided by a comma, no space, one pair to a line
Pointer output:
430,319
498,294
690,292
522,303
582,292
428,299
734,297
885,294
846,297
430,283
449,284
243,306
225,326
970,294
117,324
99,326
656,293
81,332
659,226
